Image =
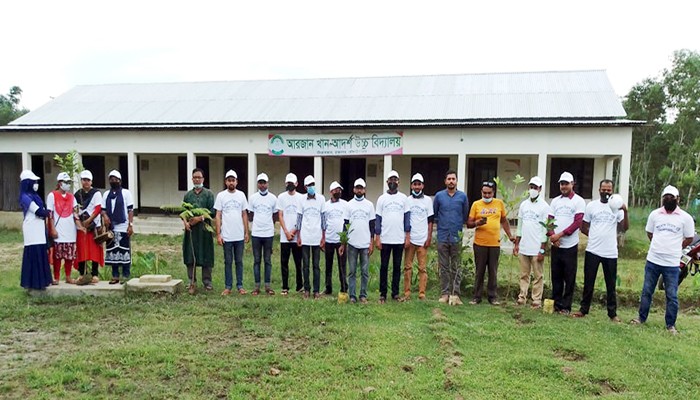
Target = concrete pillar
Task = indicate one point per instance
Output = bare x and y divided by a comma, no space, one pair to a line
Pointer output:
388,166
318,175
624,185
542,170
133,168
252,173
191,164
609,167
26,161
462,172
76,178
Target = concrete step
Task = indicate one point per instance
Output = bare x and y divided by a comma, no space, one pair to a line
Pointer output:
158,224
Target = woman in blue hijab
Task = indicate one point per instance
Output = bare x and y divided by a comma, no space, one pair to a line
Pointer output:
36,273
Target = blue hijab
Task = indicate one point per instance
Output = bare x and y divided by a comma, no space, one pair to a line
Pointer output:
27,195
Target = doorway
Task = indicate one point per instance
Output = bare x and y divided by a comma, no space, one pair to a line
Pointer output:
480,171
350,170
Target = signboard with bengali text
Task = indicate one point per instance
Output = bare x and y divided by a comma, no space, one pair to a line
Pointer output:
335,144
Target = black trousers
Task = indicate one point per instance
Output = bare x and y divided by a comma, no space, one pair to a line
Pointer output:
563,276
590,271
83,264
395,251
332,249
311,258
486,257
286,250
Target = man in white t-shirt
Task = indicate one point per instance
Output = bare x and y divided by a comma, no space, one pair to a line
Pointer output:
118,214
334,214
601,224
420,209
232,230
531,241
64,224
287,209
360,215
262,213
670,229
311,235
390,235
568,210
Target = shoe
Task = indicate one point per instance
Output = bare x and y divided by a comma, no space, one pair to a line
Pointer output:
444,298
536,306
616,319
475,301
114,281
579,314
672,330
455,300
564,312
227,292
95,279
398,299
363,300
191,290
353,300
284,292
636,321
317,296
70,281
494,302
306,294
242,291
269,291
520,302
328,292
382,300
208,288
54,282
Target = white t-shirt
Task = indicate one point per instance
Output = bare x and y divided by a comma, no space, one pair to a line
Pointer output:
420,208
391,208
33,227
289,205
65,226
231,206
564,209
311,216
602,234
532,234
335,218
669,230
94,202
263,207
359,213
128,202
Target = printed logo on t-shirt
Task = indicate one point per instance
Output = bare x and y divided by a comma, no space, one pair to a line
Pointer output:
603,217
334,213
529,215
361,215
232,205
419,212
668,228
393,207
564,210
488,211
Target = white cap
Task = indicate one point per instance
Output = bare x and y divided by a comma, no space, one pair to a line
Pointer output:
63,176
360,182
115,174
670,190
231,173
290,178
417,177
28,174
335,185
393,174
535,180
86,175
262,177
566,177
309,180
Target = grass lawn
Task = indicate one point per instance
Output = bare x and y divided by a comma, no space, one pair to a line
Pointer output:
206,346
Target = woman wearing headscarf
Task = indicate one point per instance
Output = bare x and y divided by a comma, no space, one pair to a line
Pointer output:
36,272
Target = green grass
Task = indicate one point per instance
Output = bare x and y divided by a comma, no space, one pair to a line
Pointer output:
206,346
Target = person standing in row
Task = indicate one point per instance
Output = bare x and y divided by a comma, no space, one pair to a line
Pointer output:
232,230
451,208
262,213
36,272
531,242
360,215
334,212
90,206
420,209
392,223
118,214
63,226
311,236
287,209
198,243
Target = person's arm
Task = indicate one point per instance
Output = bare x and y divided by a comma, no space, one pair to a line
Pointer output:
217,222
246,225
585,227
624,225
506,227
300,218
578,218
378,232
371,236
430,232
130,229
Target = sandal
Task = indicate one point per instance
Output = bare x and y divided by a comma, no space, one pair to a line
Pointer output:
70,281
114,281
270,292
95,279
636,321
54,282
284,292
242,291
255,292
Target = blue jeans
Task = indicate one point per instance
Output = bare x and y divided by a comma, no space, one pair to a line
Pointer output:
262,249
311,254
233,250
651,276
353,253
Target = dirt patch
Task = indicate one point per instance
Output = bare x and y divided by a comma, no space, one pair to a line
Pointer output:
11,256
569,354
22,348
520,320
606,387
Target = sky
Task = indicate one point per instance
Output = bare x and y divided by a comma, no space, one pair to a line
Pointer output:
52,46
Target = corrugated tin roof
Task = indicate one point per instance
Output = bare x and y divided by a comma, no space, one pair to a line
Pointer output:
567,95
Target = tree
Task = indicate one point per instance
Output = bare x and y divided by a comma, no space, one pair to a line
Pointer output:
9,106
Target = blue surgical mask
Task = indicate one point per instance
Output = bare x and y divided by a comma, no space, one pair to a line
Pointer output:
416,194
487,201
198,185
359,197
263,192
311,190
35,187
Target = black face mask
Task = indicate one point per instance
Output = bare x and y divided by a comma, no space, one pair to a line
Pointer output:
604,197
393,186
336,195
670,205
290,187
114,185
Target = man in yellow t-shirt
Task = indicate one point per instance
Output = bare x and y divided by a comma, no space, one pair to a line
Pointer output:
487,215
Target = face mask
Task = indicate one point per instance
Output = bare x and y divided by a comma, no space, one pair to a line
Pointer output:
604,197
290,187
311,190
263,192
393,186
487,201
35,187
65,187
416,194
336,195
533,193
359,196
670,205
198,185
114,185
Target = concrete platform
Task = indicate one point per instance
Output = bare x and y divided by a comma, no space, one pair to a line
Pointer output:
170,286
102,288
